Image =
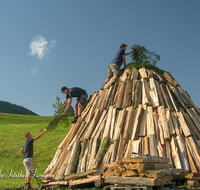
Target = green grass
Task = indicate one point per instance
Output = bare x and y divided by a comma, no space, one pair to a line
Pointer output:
12,129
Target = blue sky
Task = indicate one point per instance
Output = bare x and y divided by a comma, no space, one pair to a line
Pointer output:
48,44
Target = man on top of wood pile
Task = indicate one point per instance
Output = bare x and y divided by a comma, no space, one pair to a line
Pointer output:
81,95
113,68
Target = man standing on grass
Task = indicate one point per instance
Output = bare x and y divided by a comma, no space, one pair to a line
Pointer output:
113,68
27,151
81,96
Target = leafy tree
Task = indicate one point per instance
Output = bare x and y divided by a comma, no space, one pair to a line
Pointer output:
143,55
57,105
60,118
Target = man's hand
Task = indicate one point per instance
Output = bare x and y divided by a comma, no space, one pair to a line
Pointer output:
65,112
45,130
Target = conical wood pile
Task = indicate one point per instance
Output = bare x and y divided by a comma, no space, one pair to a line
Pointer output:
143,112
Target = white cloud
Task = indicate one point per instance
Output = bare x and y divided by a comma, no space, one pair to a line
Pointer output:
40,46
34,71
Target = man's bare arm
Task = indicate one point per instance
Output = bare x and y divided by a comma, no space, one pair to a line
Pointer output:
40,135
124,60
68,105
22,151
127,53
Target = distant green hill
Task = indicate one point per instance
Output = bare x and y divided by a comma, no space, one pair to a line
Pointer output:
6,107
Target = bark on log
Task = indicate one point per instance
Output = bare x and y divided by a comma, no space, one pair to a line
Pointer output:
143,125
166,96
183,153
101,152
161,101
108,123
195,118
114,151
193,167
93,124
194,150
170,79
175,153
156,174
120,96
112,123
152,145
154,93
150,121
143,73
193,183
183,124
161,152
145,147
120,124
162,118
105,160
168,151
134,75
74,161
126,74
175,123
136,93
146,159
136,123
127,94
137,180
112,96
145,93
169,122
103,115
79,175
130,111
105,106
81,182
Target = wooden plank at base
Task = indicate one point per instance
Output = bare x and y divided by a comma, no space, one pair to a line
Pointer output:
151,159
156,174
74,183
58,183
79,175
137,180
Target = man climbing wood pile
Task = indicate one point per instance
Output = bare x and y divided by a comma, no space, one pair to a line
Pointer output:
81,95
113,68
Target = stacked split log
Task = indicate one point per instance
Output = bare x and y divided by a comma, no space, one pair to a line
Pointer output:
143,112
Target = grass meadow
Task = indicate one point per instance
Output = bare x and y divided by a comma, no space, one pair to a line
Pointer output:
12,129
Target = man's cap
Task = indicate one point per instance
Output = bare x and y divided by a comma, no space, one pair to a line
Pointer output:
123,45
63,88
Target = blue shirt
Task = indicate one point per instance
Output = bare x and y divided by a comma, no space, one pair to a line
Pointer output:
28,148
118,57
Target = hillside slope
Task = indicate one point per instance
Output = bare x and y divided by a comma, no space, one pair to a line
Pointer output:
6,107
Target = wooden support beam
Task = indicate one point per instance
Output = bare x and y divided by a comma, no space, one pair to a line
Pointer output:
81,182
137,180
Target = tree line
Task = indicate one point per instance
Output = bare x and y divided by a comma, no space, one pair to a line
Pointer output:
6,107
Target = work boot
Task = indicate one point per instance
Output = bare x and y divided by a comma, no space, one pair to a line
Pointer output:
27,187
75,120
